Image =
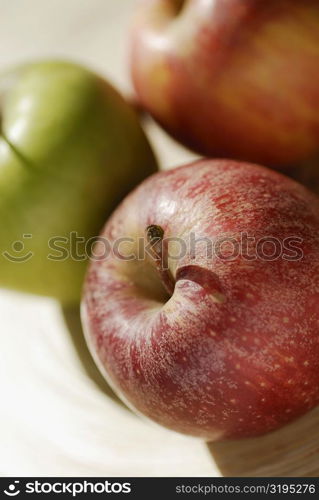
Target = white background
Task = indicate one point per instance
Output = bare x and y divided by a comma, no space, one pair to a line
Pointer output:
57,416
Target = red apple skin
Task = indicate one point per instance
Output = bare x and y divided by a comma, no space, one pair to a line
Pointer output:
237,355
232,78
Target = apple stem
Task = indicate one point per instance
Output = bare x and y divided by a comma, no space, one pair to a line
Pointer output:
178,6
159,254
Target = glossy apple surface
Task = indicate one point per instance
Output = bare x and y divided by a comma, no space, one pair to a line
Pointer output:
233,350
232,78
70,149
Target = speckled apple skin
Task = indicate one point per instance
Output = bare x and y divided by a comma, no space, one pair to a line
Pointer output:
232,78
238,354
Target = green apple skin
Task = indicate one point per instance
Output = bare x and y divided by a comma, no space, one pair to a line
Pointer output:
70,149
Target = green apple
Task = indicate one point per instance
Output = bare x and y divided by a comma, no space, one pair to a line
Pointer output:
70,149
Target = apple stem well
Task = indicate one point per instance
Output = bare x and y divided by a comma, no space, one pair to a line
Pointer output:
205,278
159,254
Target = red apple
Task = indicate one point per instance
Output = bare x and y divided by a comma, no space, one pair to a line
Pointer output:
232,78
217,344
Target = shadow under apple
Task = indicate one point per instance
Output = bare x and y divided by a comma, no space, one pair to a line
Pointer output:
292,451
306,173
72,318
